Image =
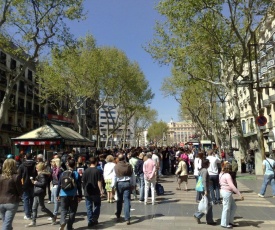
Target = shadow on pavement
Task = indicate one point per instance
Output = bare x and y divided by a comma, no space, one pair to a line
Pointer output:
114,221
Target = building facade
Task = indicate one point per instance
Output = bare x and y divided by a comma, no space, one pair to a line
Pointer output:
179,133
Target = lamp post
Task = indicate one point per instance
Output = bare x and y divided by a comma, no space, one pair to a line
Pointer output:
230,125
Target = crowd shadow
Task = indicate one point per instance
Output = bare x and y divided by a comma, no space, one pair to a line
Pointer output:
114,221
244,223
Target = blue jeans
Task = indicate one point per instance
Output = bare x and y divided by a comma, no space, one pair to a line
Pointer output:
28,201
56,202
229,208
140,180
8,212
268,179
39,201
69,206
123,193
93,204
214,188
209,214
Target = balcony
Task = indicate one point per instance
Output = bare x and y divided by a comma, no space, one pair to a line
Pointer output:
266,103
270,63
272,98
270,125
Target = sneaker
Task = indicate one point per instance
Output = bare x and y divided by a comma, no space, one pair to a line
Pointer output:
197,219
128,222
260,195
27,218
62,226
49,202
145,203
49,219
32,224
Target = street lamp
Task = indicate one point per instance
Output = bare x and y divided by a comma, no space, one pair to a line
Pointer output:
230,125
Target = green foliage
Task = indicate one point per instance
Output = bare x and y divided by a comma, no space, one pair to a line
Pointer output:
157,131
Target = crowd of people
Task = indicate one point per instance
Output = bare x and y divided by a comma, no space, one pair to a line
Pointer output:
114,174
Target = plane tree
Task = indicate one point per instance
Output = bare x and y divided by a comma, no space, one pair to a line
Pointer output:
220,31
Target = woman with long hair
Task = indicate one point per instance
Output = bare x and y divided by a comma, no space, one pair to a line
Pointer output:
227,190
56,172
10,193
40,184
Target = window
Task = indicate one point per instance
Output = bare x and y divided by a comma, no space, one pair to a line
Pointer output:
12,64
3,79
3,58
243,126
22,87
30,75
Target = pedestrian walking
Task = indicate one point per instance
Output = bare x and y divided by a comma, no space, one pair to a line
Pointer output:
56,172
197,168
268,169
26,171
108,174
140,176
182,172
93,190
124,181
227,190
206,181
40,184
69,196
10,193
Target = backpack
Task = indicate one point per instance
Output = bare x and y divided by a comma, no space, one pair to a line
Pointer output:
139,167
67,180
159,189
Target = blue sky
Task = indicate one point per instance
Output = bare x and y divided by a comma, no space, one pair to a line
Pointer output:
129,25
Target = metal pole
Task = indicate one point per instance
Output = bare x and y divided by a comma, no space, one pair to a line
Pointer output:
230,140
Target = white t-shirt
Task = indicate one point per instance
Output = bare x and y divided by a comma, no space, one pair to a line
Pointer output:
213,167
197,166
155,158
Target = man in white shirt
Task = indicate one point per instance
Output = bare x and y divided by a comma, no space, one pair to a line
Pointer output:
214,176
155,158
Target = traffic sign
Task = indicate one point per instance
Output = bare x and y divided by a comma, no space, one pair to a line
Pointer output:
261,120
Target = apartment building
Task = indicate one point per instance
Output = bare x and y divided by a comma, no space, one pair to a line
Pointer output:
264,73
26,112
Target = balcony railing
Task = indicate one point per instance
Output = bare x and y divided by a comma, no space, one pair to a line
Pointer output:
266,103
272,98
270,63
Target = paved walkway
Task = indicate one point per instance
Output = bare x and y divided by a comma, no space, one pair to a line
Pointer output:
175,210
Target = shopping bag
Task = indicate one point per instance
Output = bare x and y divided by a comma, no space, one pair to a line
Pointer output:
199,185
203,205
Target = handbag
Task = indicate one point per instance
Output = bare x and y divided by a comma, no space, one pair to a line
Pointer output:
199,185
203,205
